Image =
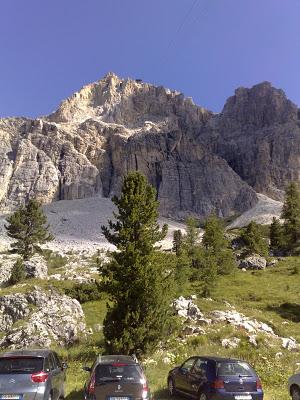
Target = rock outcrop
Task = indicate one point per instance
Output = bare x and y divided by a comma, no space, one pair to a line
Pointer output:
40,318
258,134
36,267
195,323
109,128
198,161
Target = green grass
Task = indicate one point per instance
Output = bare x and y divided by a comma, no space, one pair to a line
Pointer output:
271,296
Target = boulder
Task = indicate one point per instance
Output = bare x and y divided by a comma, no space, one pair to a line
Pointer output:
290,344
252,340
36,267
253,263
43,318
191,330
272,263
187,308
231,343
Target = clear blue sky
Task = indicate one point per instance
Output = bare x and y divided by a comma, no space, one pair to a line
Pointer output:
50,48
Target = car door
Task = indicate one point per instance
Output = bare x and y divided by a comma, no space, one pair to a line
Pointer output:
61,374
197,377
182,376
55,377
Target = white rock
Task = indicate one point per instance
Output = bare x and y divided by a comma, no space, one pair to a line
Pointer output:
252,340
231,343
290,344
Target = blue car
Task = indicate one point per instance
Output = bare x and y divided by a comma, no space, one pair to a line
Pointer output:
215,378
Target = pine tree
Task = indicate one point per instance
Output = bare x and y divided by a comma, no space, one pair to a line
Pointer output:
276,236
17,272
28,227
207,271
291,215
215,241
191,239
214,234
136,279
177,242
254,241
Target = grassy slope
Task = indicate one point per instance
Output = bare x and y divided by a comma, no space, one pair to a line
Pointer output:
259,295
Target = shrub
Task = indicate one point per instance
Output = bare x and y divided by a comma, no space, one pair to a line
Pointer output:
17,272
84,292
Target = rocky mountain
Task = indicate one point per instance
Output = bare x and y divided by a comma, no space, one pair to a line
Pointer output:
258,134
198,161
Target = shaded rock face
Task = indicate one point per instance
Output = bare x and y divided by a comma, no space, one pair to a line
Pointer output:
258,134
40,319
198,161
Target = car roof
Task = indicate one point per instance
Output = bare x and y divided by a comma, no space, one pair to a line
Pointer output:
26,353
218,359
108,359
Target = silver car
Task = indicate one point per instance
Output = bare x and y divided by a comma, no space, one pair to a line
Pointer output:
31,375
294,386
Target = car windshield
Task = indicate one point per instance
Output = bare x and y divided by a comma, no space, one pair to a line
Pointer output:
117,372
234,368
20,365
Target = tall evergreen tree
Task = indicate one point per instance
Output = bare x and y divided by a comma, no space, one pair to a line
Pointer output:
276,236
253,239
177,242
191,239
291,215
135,279
28,226
206,271
214,234
215,241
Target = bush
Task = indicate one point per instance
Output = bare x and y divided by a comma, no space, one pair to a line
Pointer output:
84,292
54,260
17,272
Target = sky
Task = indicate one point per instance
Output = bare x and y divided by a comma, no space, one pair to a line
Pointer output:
204,48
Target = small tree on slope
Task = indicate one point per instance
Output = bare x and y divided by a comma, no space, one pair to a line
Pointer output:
291,215
136,281
254,241
215,241
28,227
276,236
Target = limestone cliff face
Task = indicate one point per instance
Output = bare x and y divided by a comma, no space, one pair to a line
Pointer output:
258,134
114,125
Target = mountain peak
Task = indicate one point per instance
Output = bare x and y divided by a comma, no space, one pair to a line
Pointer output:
129,102
262,105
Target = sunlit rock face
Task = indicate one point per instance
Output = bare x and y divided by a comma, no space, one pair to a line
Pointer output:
198,161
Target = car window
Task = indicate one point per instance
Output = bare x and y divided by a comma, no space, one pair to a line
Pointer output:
51,362
235,368
188,364
124,372
57,360
20,365
200,368
46,365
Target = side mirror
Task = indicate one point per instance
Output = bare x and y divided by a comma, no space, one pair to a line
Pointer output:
87,369
64,366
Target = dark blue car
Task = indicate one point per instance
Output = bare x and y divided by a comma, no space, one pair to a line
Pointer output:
215,378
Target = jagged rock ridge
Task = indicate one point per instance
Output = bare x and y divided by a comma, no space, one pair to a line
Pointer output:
198,161
258,134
